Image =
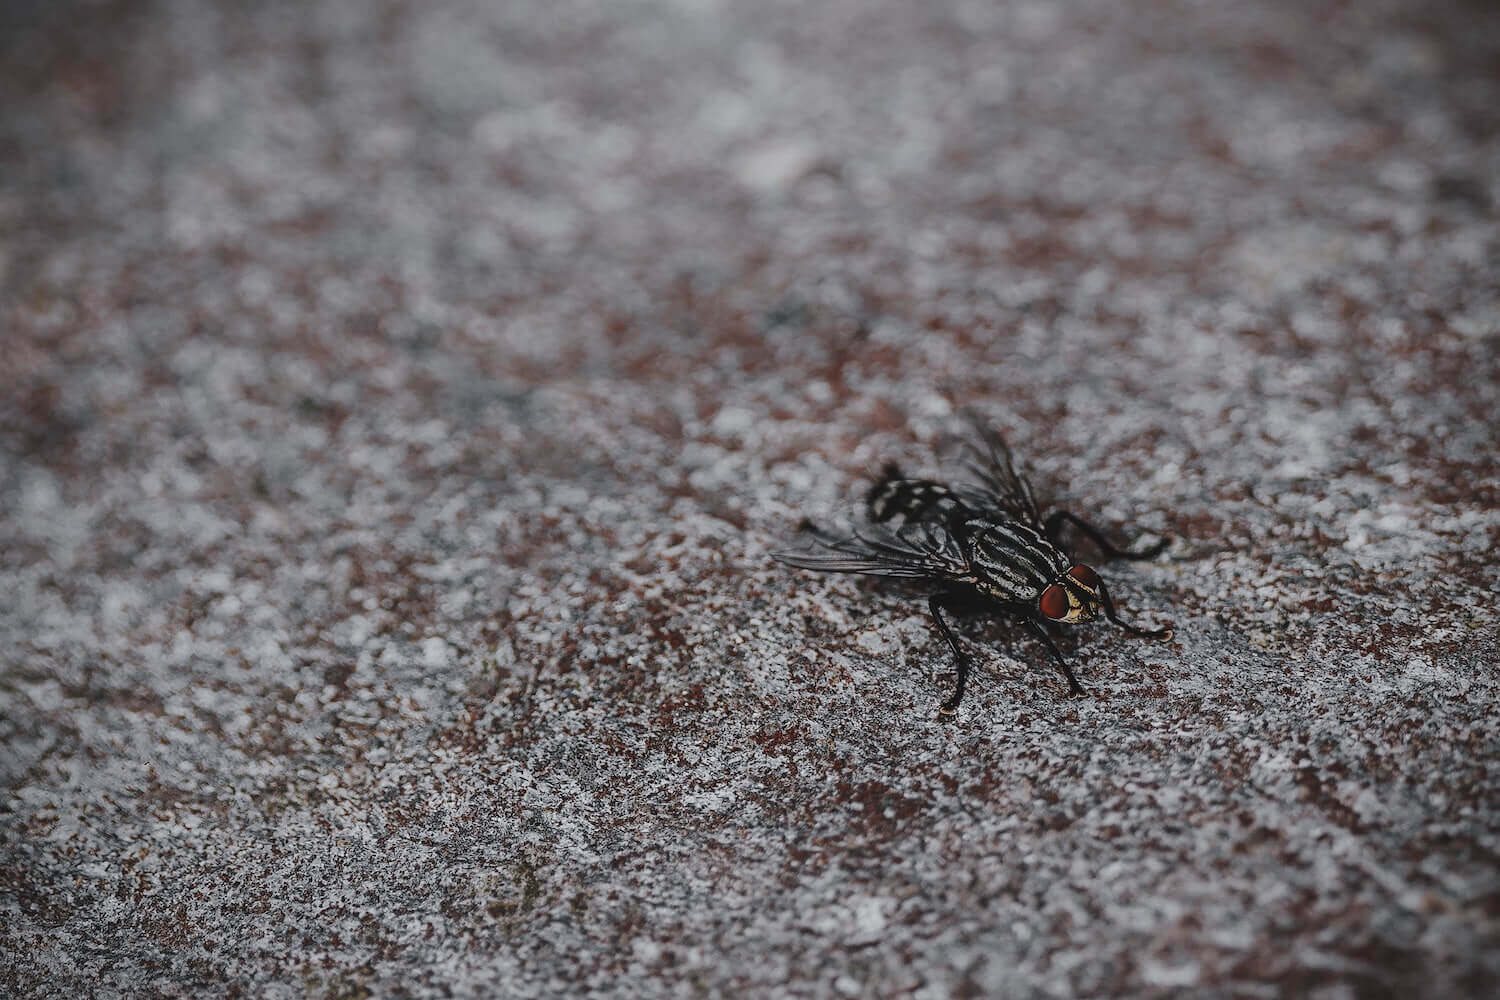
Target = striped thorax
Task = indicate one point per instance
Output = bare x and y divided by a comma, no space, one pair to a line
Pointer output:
1013,562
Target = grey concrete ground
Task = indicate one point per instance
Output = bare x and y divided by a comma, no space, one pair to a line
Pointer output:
401,402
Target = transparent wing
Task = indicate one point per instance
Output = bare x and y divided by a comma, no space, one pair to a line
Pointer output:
999,488
917,551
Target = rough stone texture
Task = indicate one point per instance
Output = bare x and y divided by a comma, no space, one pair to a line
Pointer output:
402,399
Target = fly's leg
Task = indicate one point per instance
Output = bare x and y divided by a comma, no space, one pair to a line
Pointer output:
935,604
1055,522
1163,634
1041,632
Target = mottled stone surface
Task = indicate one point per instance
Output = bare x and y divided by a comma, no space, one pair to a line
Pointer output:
401,401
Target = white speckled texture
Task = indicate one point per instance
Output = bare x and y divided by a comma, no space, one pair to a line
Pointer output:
402,400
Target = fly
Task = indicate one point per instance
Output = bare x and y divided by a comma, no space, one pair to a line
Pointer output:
984,546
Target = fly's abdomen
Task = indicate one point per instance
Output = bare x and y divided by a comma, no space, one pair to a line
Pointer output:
911,500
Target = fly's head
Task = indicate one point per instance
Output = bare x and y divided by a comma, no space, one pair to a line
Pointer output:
1074,597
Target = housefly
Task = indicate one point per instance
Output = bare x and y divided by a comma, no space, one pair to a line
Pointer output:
983,545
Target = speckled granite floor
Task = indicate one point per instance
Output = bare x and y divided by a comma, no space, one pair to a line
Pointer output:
402,401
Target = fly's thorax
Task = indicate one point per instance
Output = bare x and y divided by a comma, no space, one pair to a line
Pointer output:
1011,561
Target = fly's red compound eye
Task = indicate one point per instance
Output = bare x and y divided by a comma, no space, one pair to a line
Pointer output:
1086,577
1054,602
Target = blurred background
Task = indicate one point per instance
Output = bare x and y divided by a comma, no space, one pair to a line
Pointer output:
400,402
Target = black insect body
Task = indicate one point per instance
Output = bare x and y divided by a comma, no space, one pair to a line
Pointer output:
985,546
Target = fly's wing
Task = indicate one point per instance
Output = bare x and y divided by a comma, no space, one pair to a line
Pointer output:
918,551
999,488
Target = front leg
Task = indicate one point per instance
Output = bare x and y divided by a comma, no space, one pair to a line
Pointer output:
1073,686
1054,524
952,601
1164,634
